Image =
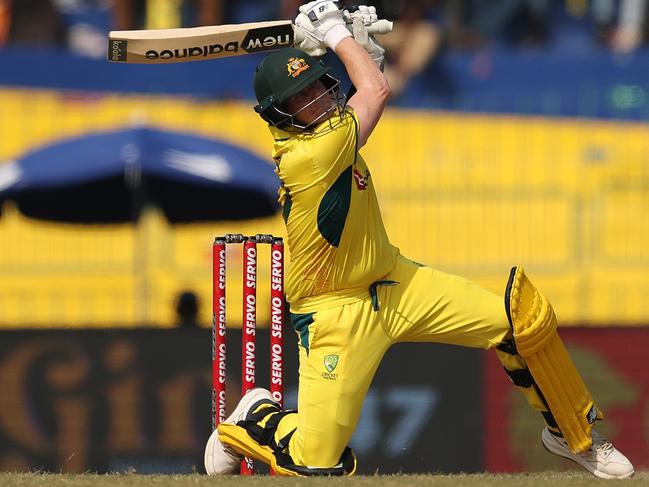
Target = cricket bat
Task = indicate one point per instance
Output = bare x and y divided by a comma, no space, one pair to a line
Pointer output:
160,46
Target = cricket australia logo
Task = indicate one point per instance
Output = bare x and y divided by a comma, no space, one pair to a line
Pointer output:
296,66
330,363
361,181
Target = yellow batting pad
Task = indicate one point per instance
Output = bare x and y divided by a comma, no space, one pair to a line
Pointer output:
240,441
537,341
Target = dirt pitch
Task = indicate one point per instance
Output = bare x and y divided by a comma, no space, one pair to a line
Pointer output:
547,479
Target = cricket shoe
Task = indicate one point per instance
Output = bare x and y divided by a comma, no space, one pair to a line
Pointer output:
602,459
220,459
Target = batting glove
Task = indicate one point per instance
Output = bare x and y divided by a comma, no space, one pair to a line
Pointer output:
368,42
306,37
327,23
367,14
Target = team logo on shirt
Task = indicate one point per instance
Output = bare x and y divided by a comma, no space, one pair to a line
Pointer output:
296,66
361,181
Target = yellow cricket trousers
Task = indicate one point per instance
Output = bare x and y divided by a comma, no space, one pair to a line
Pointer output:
341,348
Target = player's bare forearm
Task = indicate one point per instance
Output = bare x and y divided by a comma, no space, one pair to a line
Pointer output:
372,89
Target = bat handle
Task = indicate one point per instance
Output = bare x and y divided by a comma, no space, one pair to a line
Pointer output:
381,26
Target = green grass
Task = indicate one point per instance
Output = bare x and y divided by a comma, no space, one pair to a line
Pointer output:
549,479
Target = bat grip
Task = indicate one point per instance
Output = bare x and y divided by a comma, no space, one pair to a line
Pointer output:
381,26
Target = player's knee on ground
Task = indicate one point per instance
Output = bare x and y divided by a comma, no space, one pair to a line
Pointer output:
257,437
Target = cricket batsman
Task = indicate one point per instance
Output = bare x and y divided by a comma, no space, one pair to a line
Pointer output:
352,294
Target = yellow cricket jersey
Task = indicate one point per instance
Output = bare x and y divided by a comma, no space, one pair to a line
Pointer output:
337,242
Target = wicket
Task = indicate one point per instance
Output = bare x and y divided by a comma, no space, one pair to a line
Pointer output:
249,325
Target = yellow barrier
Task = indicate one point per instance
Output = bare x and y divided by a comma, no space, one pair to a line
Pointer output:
452,188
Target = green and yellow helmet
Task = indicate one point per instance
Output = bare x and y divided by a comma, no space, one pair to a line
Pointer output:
281,75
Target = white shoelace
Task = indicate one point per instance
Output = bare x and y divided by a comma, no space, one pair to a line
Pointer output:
600,445
605,447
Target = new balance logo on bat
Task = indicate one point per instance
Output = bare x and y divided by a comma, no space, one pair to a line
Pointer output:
255,41
268,38
197,51
268,43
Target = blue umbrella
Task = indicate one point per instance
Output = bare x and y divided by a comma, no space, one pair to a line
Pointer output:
109,177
